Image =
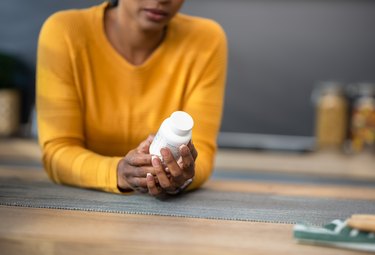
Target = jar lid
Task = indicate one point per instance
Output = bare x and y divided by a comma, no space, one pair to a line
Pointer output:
181,122
327,88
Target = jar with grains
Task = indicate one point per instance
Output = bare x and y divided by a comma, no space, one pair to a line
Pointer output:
362,127
331,116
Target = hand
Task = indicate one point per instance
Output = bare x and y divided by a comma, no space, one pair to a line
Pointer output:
172,174
133,168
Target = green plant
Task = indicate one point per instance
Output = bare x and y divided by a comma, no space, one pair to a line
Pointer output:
12,71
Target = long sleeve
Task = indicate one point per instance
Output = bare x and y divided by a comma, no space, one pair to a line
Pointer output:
60,116
204,101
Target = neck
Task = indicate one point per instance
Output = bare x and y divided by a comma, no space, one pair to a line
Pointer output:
133,43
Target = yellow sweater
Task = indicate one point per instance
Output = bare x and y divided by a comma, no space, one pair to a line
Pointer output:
93,106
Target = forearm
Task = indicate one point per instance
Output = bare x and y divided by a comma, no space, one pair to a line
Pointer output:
203,166
68,162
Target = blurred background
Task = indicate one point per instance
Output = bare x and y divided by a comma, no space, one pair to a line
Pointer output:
285,56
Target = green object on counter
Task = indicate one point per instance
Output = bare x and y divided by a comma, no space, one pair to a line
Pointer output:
337,234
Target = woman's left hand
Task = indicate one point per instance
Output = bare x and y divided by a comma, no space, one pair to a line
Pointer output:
172,174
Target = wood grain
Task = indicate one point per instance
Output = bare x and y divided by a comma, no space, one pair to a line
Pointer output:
46,231
326,163
20,150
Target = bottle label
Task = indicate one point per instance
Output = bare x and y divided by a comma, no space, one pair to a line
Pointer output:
160,142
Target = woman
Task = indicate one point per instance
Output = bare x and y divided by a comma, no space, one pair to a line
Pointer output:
107,76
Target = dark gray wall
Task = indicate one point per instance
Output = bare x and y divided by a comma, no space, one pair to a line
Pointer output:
21,20
278,50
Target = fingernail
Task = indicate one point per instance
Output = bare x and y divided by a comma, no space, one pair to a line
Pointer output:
164,152
154,161
149,175
183,148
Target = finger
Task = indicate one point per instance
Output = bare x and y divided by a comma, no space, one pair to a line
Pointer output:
150,138
142,147
192,149
142,190
188,163
174,168
138,183
145,145
137,159
141,171
153,190
161,174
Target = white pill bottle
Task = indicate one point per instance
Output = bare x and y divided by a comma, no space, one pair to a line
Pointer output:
173,132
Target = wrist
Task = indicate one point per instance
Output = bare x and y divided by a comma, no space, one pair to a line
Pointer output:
122,184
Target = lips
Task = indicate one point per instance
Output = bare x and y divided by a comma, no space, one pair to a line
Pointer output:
156,15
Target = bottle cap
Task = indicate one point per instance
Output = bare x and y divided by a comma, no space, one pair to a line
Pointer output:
182,122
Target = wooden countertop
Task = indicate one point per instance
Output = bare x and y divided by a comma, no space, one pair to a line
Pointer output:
52,231
46,231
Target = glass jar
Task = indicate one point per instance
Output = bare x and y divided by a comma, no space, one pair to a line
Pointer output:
9,112
362,127
331,116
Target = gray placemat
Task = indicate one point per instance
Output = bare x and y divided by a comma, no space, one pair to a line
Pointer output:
203,203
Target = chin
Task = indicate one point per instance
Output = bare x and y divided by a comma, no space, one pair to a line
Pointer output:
152,26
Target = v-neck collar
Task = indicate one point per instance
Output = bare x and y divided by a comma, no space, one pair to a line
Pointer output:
106,46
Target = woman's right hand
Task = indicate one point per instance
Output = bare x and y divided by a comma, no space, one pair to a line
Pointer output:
133,168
